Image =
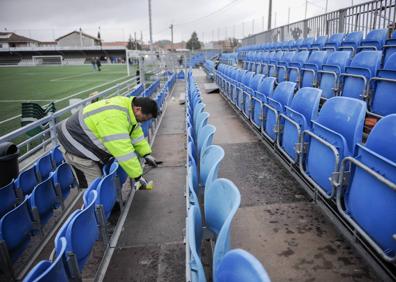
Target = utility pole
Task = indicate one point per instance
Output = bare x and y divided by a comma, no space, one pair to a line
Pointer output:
288,15
171,28
306,7
135,40
327,5
269,15
150,26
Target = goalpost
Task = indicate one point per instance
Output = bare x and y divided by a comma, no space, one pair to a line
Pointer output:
47,60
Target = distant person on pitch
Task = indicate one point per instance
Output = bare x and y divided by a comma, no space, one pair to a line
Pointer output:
98,64
93,63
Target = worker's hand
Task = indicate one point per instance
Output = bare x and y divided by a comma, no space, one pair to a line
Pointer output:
151,161
140,183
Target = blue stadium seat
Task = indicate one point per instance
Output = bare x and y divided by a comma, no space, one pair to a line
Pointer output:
310,68
369,197
194,227
328,75
336,131
46,271
297,118
205,138
266,61
282,97
244,88
273,63
364,66
92,187
283,64
81,233
107,192
334,41
298,43
351,41
27,180
264,89
122,175
293,70
307,43
249,92
44,167
43,201
15,230
222,200
63,178
319,43
239,265
57,157
374,40
210,164
390,46
202,120
192,182
383,98
8,198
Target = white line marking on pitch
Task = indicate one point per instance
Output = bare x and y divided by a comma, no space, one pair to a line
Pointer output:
81,74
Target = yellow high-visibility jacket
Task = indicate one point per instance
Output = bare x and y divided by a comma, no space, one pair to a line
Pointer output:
107,128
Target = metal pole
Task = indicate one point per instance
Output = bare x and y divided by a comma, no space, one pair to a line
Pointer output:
127,61
327,5
275,19
288,15
171,28
269,14
306,7
150,26
135,41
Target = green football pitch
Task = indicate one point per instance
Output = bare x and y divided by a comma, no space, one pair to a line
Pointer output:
45,84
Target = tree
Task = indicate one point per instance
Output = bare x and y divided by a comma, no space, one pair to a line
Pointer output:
193,43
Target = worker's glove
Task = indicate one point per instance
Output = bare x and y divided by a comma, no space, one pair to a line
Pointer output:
150,160
140,183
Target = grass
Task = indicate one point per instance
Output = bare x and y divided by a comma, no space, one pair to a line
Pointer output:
45,84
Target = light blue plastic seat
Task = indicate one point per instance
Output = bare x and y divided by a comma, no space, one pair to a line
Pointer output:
64,177
282,97
222,200
364,66
334,41
43,201
273,64
15,229
307,43
210,164
27,180
244,88
293,69
319,43
283,64
194,227
369,198
107,192
81,233
8,198
340,123
351,41
205,138
383,98
239,265
310,68
298,115
374,40
44,167
249,92
264,89
92,187
192,182
46,271
202,120
329,74
390,46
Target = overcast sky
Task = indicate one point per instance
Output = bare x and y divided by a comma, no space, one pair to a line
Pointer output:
212,20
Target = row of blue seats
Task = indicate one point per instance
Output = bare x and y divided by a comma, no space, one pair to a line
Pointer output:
221,201
229,58
326,145
335,73
29,202
376,39
199,58
78,235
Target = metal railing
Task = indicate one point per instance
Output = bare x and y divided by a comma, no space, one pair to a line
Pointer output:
363,17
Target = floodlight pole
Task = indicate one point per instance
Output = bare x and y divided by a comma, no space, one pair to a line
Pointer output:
150,26
269,15
171,28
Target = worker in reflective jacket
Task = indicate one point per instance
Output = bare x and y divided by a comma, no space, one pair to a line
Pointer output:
106,129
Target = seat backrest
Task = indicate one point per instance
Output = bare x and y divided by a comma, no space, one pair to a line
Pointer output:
247,77
27,180
107,192
255,81
287,57
8,198
57,156
194,241
239,265
50,271
283,93
43,198
202,120
352,40
345,116
306,102
383,101
375,38
210,164
266,86
15,229
307,42
92,187
300,58
337,61
82,232
192,182
63,175
319,42
334,40
44,166
205,137
222,200
316,58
